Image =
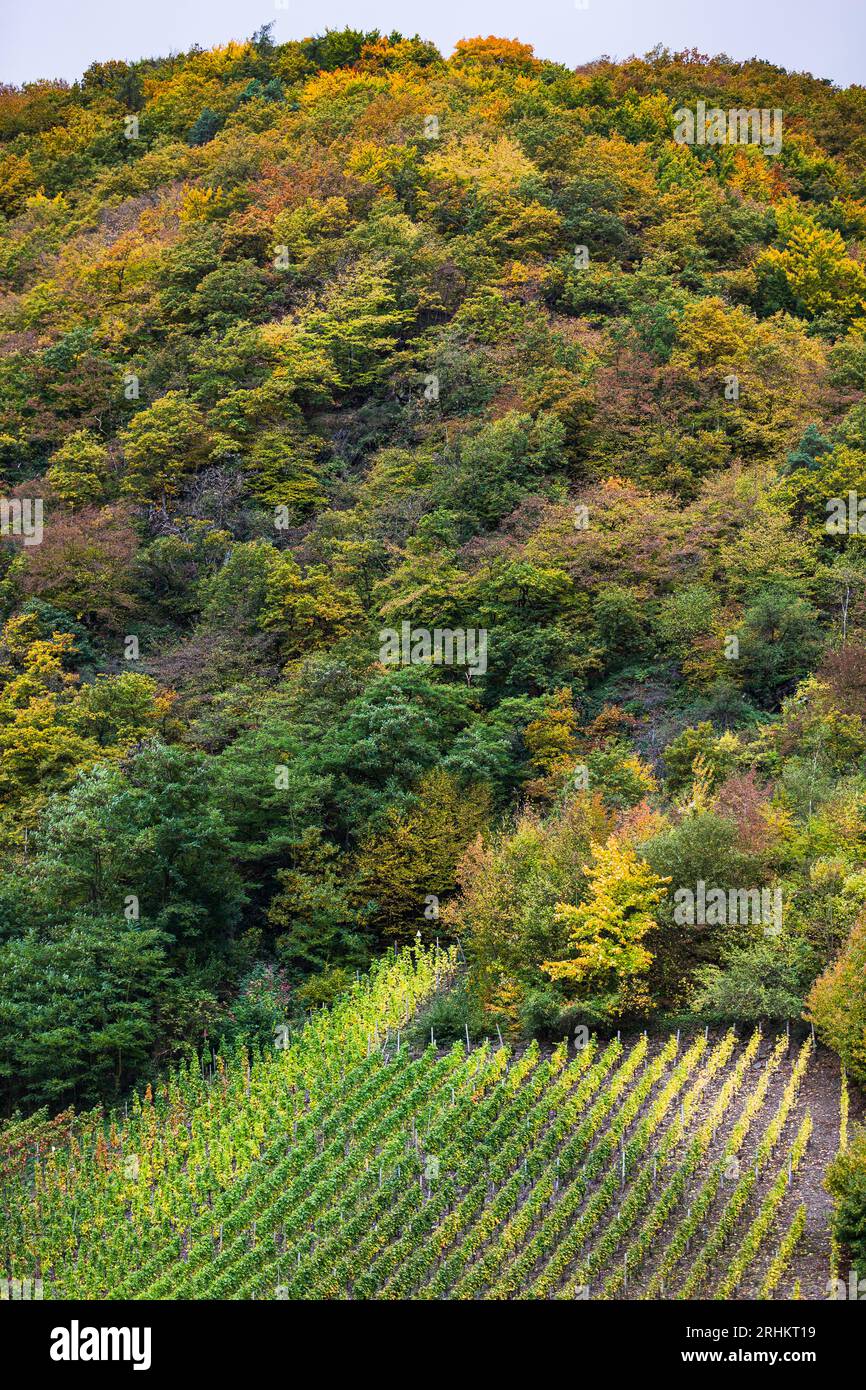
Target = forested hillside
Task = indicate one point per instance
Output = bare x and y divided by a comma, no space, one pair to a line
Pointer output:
432,505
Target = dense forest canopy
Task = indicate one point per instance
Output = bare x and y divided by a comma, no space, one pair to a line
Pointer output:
432,505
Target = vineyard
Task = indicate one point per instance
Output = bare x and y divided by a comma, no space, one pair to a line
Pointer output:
346,1165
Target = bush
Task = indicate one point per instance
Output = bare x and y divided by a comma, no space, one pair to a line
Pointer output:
544,1015
321,990
261,1006
540,1012
767,979
449,1015
846,1180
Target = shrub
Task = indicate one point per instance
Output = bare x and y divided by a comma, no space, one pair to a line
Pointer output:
846,1180
261,1005
324,988
767,979
449,1015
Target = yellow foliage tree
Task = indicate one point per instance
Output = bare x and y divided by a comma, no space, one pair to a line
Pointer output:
308,608
820,274
551,743
606,933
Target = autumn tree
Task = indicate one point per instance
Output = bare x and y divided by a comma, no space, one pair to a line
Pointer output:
409,866
551,743
162,444
83,566
837,1004
607,956
79,470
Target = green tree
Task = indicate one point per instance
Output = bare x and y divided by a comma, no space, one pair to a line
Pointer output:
162,445
780,641
79,470
317,913
144,838
846,1180
208,124
358,323
78,1009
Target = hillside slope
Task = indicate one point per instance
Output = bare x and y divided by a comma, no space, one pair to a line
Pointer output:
434,504
627,1169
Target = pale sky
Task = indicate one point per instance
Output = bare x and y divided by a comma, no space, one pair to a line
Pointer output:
60,38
